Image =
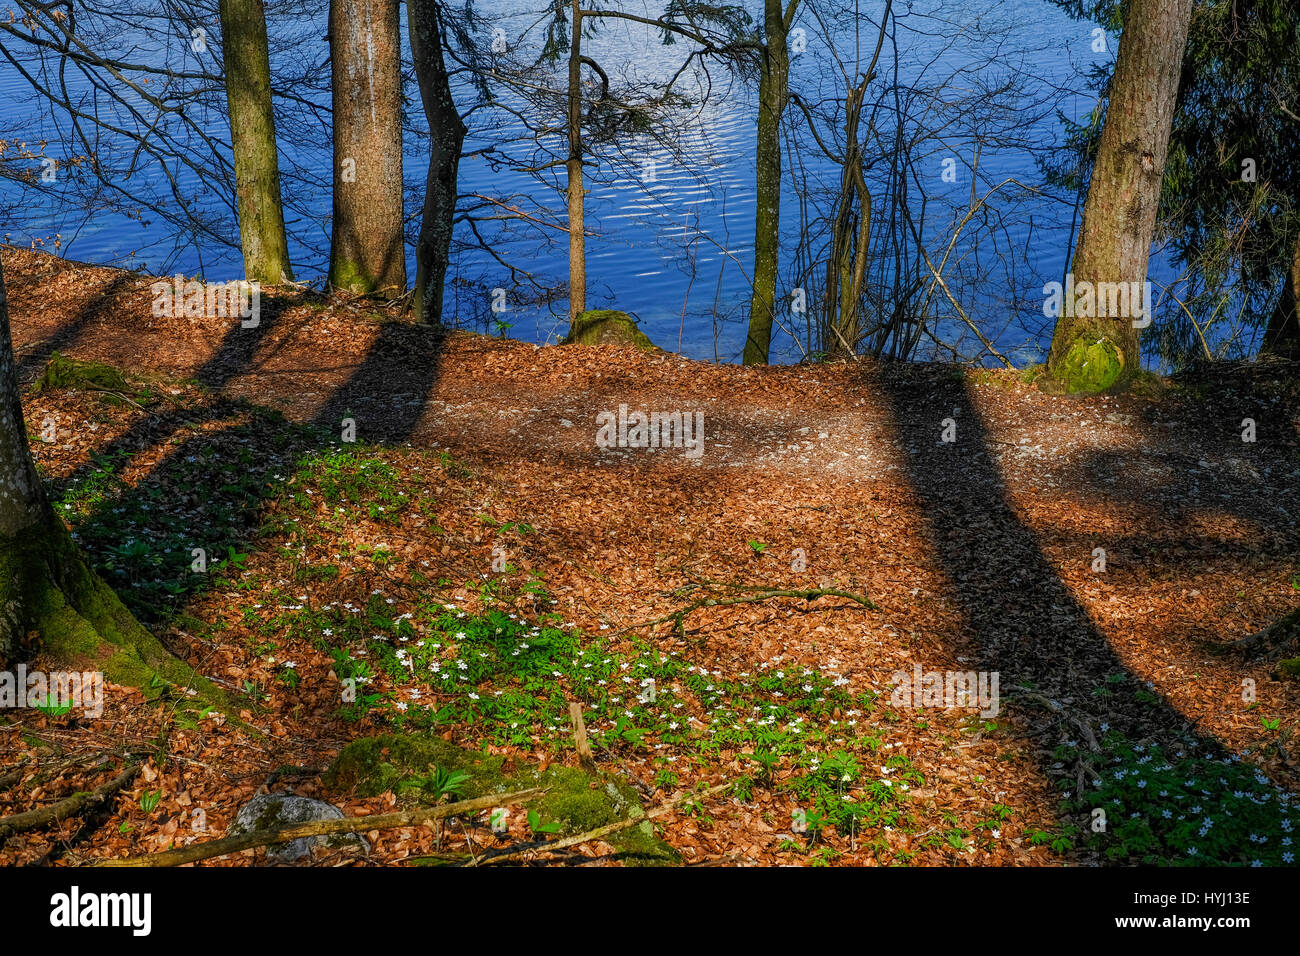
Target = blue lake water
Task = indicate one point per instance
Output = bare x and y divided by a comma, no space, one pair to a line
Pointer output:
675,247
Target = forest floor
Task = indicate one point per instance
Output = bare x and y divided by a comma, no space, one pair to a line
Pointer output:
382,561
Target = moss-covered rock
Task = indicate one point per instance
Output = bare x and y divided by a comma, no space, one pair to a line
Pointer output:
607,327
577,800
64,372
270,811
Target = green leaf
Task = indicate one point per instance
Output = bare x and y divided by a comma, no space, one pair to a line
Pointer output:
537,826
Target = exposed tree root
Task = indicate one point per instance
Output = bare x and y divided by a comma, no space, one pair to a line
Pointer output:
70,807
55,602
756,595
1285,630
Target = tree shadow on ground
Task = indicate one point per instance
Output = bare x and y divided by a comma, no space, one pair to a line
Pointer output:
389,392
32,359
1216,480
234,357
1026,623
220,462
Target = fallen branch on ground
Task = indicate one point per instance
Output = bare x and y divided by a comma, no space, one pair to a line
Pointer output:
378,821
1058,708
12,777
70,807
1283,629
760,594
1081,764
596,834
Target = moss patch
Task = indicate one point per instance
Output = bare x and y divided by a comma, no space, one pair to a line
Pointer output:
1091,365
577,800
1288,668
350,277
64,372
1148,385
354,278
1033,373
607,327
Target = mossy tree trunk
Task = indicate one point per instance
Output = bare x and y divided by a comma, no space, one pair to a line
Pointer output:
773,94
573,165
28,565
252,138
367,247
1092,352
446,134
49,598
1282,337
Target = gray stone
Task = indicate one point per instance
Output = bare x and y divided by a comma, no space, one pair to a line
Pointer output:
269,810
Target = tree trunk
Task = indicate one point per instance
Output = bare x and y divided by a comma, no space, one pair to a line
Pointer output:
847,265
773,93
367,247
1282,337
49,598
252,138
576,193
1095,352
26,519
446,134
